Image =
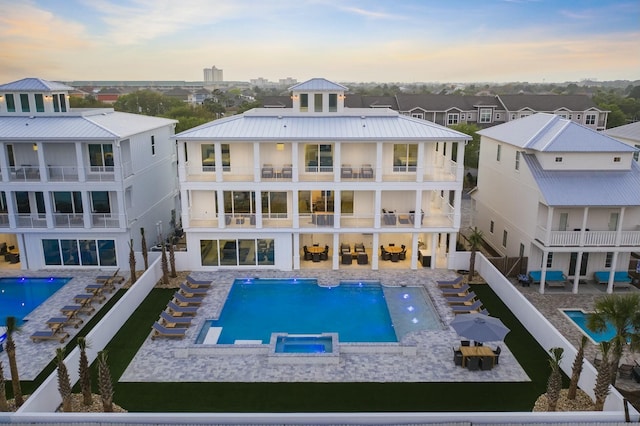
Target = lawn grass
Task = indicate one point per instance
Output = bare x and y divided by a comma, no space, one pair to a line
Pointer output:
312,397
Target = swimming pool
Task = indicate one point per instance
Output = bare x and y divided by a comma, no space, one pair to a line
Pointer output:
359,311
579,318
21,295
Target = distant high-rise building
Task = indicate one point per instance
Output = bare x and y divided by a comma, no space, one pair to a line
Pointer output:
212,75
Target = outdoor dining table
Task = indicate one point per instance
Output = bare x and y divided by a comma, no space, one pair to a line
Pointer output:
476,351
315,249
393,249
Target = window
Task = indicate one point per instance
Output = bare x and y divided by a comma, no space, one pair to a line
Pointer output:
550,260
24,102
39,102
504,238
317,102
589,119
485,115
405,157
517,160
558,159
318,158
498,152
491,226
237,252
208,157
616,159
101,157
304,102
497,116
637,153
67,202
452,119
10,156
153,145
608,260
239,202
333,102
59,103
79,252
564,220
100,202
11,103
346,202
417,115
274,205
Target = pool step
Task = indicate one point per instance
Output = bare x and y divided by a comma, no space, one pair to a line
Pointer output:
212,336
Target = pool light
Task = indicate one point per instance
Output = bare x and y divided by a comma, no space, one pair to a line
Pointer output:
405,296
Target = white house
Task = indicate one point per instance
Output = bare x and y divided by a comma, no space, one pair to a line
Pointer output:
560,194
629,134
77,185
270,187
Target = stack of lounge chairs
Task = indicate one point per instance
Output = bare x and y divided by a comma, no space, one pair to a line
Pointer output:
459,297
82,304
180,311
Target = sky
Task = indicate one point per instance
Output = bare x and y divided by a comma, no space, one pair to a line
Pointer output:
341,40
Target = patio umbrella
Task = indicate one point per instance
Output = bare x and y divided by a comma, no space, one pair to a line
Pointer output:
479,327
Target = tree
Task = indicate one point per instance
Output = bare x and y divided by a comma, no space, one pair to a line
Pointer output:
475,240
172,261
472,149
554,384
4,405
623,313
104,382
165,266
10,346
603,379
132,262
146,102
145,252
64,383
576,370
84,372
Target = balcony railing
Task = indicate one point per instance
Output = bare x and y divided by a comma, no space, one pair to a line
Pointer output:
4,220
68,220
591,238
105,220
25,173
62,173
29,220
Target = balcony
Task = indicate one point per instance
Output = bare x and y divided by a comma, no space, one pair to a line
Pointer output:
62,173
29,220
105,220
68,220
591,238
25,173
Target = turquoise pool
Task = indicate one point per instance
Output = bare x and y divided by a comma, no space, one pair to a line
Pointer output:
359,311
21,295
579,318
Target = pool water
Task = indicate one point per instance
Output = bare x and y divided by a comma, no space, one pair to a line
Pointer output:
256,308
580,320
304,344
21,295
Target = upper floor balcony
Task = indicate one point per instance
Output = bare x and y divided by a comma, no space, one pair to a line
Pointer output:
588,238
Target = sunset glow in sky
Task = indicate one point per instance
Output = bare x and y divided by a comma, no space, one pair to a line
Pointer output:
341,40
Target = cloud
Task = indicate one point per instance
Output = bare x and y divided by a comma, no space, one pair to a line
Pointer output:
371,14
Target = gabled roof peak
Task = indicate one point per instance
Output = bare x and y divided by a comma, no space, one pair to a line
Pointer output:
318,84
32,84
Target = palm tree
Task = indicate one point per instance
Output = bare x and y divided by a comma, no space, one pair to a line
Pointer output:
554,384
132,262
577,369
145,254
603,379
84,372
475,240
4,405
172,261
10,346
165,266
64,383
623,312
104,382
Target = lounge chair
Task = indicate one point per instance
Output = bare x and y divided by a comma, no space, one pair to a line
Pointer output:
468,299
456,282
58,322
551,278
49,335
178,311
450,291
620,278
161,331
114,279
97,291
181,299
195,283
467,309
190,291
170,321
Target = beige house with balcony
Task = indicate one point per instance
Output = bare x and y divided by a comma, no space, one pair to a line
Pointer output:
561,195
320,185
77,185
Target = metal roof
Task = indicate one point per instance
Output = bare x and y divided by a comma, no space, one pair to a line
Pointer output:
552,133
435,102
111,125
628,131
547,103
35,85
318,84
354,124
582,188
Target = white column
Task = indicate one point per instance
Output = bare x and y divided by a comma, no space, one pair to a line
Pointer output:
375,251
257,210
335,257
80,164
296,251
612,272
257,162
378,165
434,249
217,149
222,223
543,272
576,279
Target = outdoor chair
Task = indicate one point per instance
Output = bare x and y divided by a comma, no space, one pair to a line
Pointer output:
486,363
465,343
395,257
325,254
267,171
473,363
461,300
176,310
477,344
170,321
363,259
316,257
346,258
496,352
460,291
307,254
359,248
287,171
190,291
181,299
49,335
457,356
346,172
197,283
161,331
366,171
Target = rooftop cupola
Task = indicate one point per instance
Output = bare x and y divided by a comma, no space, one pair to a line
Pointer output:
318,96
34,96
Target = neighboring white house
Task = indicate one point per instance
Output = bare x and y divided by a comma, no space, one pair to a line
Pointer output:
561,194
77,185
629,134
259,187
